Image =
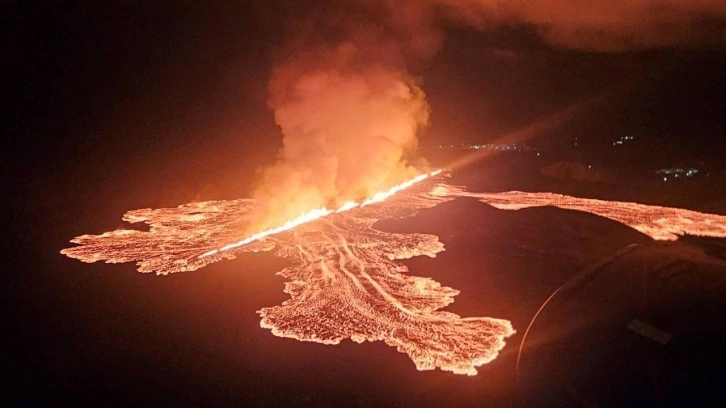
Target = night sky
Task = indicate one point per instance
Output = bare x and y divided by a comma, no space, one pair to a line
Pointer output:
149,104
176,95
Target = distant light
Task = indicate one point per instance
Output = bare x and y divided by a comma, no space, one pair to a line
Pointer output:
537,153
665,178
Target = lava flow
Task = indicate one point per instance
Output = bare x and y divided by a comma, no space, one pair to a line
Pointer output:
659,223
344,282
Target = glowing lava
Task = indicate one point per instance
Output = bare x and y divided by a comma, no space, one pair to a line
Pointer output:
322,212
345,281
660,223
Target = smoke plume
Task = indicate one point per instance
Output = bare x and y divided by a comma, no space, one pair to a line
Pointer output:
349,107
349,111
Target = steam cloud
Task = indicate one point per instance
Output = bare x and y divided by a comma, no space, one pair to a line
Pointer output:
349,107
349,112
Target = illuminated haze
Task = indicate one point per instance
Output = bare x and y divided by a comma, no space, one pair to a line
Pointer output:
348,109
349,104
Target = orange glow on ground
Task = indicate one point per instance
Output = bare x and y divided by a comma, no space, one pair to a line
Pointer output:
345,281
659,223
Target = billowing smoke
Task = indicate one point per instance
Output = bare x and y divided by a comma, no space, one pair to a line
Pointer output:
349,107
349,111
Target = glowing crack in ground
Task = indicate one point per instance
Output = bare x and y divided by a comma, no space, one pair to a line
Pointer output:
345,281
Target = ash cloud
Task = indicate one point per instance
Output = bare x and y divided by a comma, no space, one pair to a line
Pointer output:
349,105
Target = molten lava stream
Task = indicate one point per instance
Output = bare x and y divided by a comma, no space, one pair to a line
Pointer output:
344,282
